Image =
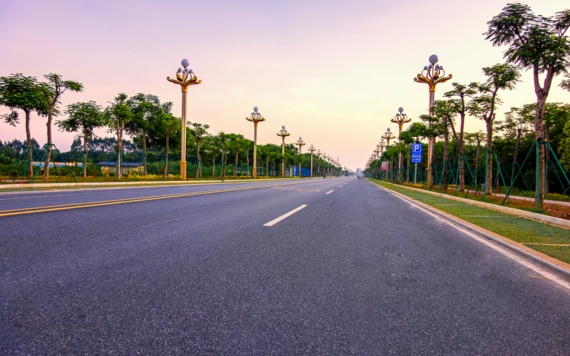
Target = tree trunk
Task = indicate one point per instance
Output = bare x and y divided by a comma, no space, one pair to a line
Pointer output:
409,164
166,151
29,141
477,160
445,158
489,168
84,168
235,169
144,151
48,154
223,161
547,160
119,164
247,162
497,189
516,153
199,167
461,152
539,131
541,96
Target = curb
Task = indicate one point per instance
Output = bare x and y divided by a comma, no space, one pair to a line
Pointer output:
458,221
164,183
502,209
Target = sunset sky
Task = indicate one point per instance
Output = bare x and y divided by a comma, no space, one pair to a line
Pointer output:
333,72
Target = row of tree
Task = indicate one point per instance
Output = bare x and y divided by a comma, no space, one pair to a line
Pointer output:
536,43
143,117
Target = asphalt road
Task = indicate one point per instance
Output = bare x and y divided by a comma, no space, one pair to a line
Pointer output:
176,271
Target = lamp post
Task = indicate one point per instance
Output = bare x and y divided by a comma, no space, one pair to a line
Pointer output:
312,150
381,145
401,118
283,133
300,143
184,77
388,136
434,74
319,153
256,118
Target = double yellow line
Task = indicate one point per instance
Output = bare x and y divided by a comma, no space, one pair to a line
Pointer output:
122,201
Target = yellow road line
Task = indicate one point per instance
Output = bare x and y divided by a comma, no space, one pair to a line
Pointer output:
103,201
122,201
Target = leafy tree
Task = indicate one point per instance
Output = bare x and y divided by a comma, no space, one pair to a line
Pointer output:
483,106
83,117
119,115
170,125
51,91
146,109
517,121
198,132
19,92
445,111
222,138
462,92
476,137
538,43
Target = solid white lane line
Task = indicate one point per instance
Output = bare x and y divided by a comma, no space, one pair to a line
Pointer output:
329,192
284,216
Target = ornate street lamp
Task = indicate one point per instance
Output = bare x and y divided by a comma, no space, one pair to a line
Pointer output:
377,152
185,78
256,118
432,75
388,136
283,133
401,118
381,145
312,150
319,153
300,143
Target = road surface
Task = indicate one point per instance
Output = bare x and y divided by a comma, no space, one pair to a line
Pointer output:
318,267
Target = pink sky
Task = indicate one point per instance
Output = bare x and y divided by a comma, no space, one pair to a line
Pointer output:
333,72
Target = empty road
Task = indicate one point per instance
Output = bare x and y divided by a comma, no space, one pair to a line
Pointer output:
313,267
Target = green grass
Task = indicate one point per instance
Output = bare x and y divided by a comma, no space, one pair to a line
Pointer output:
515,228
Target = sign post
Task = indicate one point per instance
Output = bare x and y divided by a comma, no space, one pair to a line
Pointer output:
416,158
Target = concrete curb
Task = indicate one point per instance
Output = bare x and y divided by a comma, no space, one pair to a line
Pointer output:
502,209
457,221
49,185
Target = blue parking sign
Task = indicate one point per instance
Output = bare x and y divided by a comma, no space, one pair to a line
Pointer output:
416,153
